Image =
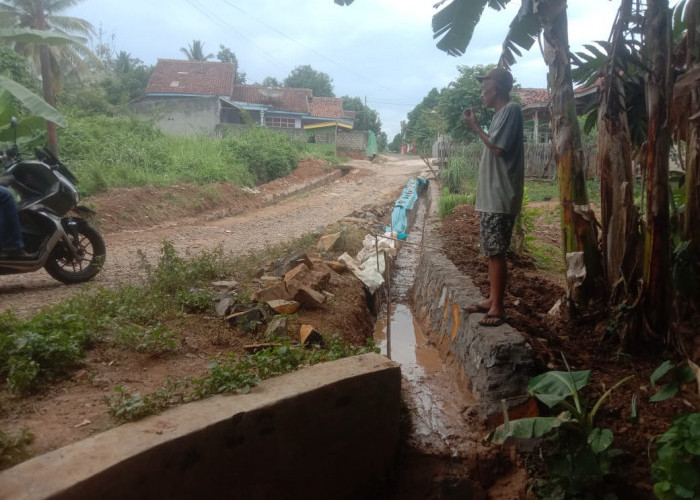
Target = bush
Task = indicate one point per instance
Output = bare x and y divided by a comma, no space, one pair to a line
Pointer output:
267,154
675,470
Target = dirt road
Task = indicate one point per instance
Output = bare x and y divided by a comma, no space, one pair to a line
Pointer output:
368,183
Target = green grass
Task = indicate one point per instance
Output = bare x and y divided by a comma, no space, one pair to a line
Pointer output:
14,448
51,344
109,152
229,374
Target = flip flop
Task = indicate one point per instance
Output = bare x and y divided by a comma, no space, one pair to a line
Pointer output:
499,320
476,308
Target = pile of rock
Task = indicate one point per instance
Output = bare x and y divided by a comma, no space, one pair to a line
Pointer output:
288,285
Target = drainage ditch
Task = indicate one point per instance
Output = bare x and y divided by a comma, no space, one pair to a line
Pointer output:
442,455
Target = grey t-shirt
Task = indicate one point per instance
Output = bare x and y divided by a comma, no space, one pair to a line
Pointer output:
501,179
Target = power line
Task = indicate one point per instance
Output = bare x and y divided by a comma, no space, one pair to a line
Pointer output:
230,4
211,15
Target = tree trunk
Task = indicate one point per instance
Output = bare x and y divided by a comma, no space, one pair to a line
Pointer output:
691,227
579,235
656,270
619,216
47,79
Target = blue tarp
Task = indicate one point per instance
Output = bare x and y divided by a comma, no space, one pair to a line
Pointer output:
399,217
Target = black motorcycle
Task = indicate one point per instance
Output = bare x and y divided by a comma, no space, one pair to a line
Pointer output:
68,247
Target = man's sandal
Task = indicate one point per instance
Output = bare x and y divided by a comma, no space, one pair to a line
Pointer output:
493,320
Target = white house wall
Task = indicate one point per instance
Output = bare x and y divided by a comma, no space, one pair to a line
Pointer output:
181,115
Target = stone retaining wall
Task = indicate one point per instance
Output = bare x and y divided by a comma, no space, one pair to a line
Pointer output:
327,431
497,362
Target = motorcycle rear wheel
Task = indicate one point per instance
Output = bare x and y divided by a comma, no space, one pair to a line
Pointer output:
68,268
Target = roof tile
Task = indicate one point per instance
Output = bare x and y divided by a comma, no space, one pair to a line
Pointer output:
171,76
276,98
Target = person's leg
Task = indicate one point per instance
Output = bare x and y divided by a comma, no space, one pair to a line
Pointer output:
10,232
498,276
496,230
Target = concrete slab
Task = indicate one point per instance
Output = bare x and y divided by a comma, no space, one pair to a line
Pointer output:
327,431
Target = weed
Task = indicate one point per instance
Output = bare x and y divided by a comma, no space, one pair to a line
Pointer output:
153,340
577,454
449,201
14,448
231,373
675,470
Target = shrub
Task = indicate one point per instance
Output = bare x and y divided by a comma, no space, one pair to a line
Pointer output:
267,154
675,470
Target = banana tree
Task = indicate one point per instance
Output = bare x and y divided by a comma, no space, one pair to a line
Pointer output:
52,61
657,253
12,94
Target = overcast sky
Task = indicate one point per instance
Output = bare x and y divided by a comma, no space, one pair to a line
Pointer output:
379,50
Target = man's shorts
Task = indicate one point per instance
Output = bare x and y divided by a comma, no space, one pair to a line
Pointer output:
496,230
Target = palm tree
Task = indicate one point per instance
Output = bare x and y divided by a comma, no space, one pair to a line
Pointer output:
195,51
52,62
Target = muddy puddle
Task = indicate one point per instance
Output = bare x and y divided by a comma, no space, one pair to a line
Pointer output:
441,456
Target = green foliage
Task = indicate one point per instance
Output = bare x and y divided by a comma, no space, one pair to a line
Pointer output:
675,470
154,340
106,152
460,175
124,406
461,94
232,373
16,68
305,77
14,448
449,201
675,376
267,154
577,454
195,51
45,347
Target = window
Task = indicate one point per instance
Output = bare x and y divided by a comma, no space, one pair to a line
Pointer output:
280,122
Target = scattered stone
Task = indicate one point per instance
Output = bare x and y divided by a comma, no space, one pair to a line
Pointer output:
329,242
253,348
316,278
309,298
224,305
277,327
309,336
284,306
349,262
80,375
338,267
225,286
278,291
82,424
246,321
290,262
269,280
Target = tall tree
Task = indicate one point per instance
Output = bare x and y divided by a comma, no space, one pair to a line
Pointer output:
226,55
195,51
306,77
51,61
271,81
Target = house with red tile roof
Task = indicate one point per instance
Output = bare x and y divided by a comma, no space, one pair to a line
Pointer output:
535,108
189,97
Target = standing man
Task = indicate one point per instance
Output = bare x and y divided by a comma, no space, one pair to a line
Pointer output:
499,194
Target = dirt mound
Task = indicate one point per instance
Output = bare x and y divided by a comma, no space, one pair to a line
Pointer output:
529,297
